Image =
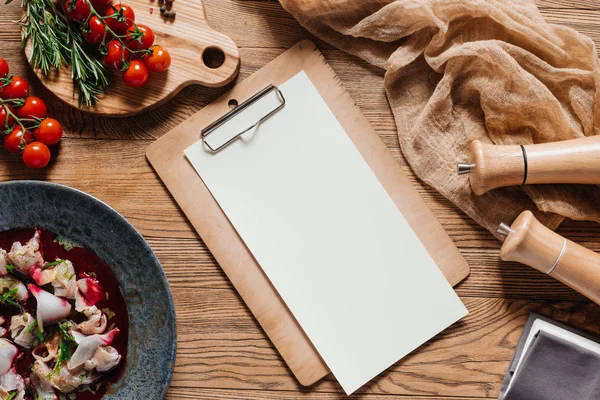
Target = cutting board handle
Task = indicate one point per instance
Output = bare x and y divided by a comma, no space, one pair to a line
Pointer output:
531,243
216,61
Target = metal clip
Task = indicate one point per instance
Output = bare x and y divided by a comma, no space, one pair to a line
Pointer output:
218,123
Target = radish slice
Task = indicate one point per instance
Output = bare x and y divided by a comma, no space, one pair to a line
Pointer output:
8,352
88,346
91,289
3,270
50,309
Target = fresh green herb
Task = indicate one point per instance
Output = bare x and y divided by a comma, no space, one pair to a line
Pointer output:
52,264
10,299
109,313
10,267
39,333
67,345
55,43
30,327
11,396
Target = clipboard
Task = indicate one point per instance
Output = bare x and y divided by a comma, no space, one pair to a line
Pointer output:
167,157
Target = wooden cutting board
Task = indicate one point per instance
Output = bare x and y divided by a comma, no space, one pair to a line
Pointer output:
192,45
192,195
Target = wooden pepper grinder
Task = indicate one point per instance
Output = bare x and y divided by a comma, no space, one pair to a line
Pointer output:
531,243
569,161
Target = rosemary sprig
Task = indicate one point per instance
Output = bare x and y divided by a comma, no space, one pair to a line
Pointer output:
56,43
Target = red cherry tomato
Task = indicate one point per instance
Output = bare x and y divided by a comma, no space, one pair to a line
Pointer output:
6,120
140,39
49,132
102,8
3,67
123,17
136,75
16,141
18,88
34,107
116,54
95,31
159,60
36,155
77,10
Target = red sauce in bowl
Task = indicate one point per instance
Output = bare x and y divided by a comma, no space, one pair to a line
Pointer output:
84,261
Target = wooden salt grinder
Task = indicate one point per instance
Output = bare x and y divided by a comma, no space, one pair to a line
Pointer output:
531,243
570,161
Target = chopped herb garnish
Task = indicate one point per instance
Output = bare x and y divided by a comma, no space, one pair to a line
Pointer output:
40,335
67,344
30,327
52,264
10,299
11,396
109,313
9,267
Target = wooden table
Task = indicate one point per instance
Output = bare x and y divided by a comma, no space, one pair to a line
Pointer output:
222,352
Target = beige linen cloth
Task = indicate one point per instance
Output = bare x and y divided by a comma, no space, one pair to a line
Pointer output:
459,70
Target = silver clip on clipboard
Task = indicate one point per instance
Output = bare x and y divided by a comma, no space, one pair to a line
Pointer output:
242,119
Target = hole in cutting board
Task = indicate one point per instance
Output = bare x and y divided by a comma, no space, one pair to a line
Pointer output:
213,57
233,103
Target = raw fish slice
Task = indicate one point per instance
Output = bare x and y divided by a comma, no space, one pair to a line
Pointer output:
8,352
88,346
24,258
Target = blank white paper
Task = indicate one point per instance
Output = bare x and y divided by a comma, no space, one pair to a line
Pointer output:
328,236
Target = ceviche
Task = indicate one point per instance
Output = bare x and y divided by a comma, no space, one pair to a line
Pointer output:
63,319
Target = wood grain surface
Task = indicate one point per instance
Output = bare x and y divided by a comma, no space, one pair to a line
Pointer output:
223,353
199,55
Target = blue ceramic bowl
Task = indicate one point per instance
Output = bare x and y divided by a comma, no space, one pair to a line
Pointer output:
86,220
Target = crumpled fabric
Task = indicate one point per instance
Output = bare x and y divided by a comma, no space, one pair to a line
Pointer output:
460,70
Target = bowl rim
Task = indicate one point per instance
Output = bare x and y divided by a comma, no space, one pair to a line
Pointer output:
162,276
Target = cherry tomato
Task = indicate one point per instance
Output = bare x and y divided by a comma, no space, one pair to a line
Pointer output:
95,31
34,107
6,120
159,60
136,75
36,155
102,8
3,67
18,88
140,39
16,141
123,17
77,10
49,132
115,55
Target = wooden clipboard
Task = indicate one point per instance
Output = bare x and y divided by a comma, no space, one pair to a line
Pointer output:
167,157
